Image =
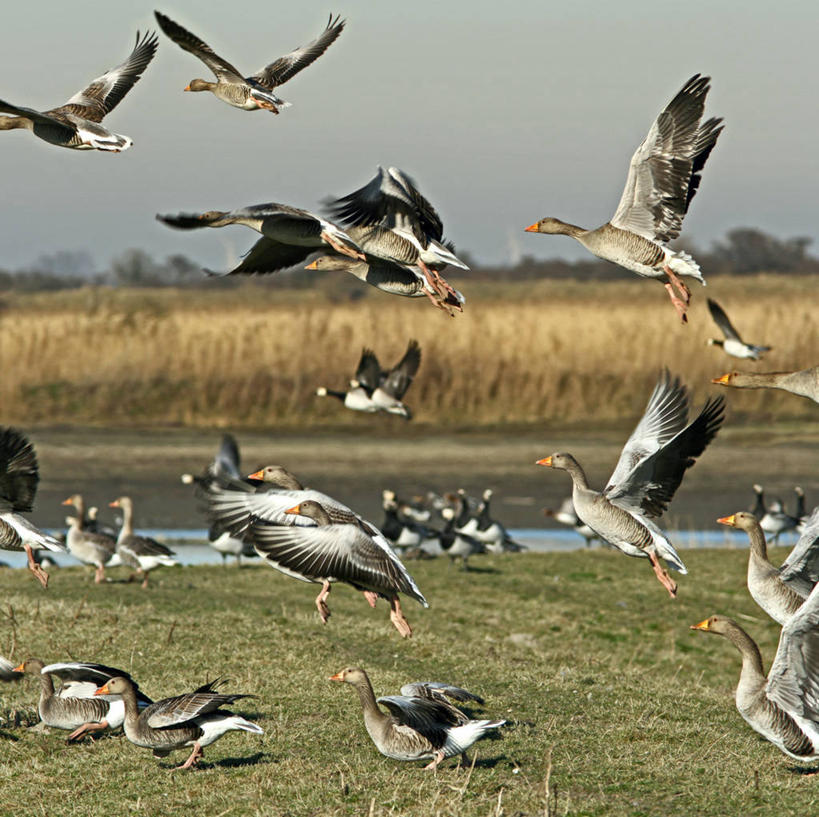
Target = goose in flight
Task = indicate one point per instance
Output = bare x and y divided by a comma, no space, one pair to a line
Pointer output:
732,344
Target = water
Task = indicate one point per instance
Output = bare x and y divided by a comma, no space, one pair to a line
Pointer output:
191,547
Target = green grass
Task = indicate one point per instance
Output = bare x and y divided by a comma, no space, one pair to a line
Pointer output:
610,698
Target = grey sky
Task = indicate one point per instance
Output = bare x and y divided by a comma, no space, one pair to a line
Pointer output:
503,113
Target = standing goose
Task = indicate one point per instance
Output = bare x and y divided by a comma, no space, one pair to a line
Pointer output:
804,383
663,177
784,708
733,344
19,476
255,92
421,722
456,543
90,548
404,533
289,235
650,469
758,509
194,719
77,124
140,553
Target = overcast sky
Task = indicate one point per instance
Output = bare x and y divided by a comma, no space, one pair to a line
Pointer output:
503,112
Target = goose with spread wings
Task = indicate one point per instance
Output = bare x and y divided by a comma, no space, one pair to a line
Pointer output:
732,344
78,123
253,93
650,469
663,177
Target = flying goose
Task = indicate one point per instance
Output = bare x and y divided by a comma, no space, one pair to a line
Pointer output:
77,124
733,344
255,92
663,177
420,723
193,719
784,708
359,396
650,469
89,548
804,383
19,476
289,235
141,553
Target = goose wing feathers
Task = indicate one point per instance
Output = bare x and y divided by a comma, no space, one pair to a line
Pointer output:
662,447
227,459
368,372
429,717
435,689
801,569
36,116
664,173
286,67
189,42
184,708
722,321
19,473
267,256
72,673
104,93
399,379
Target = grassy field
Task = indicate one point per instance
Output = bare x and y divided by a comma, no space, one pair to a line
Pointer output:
565,351
614,706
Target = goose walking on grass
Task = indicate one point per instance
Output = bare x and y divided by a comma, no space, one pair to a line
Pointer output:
141,553
420,723
732,344
255,92
74,705
663,177
649,472
77,124
89,548
192,720
19,477
784,707
804,383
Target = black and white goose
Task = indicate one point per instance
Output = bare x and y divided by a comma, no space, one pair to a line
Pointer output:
455,543
566,515
405,533
492,532
732,344
255,92
77,124
359,396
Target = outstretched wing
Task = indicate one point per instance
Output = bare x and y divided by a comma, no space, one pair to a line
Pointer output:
435,689
183,708
19,473
801,569
398,380
722,321
368,371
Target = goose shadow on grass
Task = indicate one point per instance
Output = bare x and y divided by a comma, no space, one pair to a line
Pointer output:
804,771
227,762
473,569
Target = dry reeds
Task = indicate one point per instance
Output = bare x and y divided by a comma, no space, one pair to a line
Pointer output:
559,352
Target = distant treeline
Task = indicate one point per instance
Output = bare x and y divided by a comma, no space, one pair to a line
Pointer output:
743,251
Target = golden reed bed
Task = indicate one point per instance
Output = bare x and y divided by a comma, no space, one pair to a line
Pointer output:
543,352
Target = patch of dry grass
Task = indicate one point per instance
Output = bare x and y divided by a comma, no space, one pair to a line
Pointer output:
567,352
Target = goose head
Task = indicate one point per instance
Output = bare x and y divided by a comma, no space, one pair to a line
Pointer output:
200,85
741,519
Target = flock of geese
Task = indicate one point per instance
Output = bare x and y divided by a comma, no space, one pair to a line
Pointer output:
389,235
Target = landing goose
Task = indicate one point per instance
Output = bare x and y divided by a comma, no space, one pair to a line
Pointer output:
732,344
140,553
784,708
255,92
194,719
77,124
804,383
420,723
89,548
647,475
289,235
19,476
663,177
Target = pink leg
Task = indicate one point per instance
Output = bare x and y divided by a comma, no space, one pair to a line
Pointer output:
321,602
38,572
397,618
339,247
667,582
371,597
88,727
99,575
145,580
679,305
447,299
439,756
195,755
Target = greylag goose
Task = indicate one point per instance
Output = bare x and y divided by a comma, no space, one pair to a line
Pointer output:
732,344
566,515
73,706
194,719
420,723
255,92
648,473
289,235
140,553
89,548
19,476
77,124
782,708
804,383
399,224
663,177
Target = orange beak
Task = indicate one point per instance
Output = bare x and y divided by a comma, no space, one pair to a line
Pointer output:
114,504
703,625
336,677
722,380
67,502
19,669
103,690
257,474
731,520
532,228
314,265
295,509
547,461
187,88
